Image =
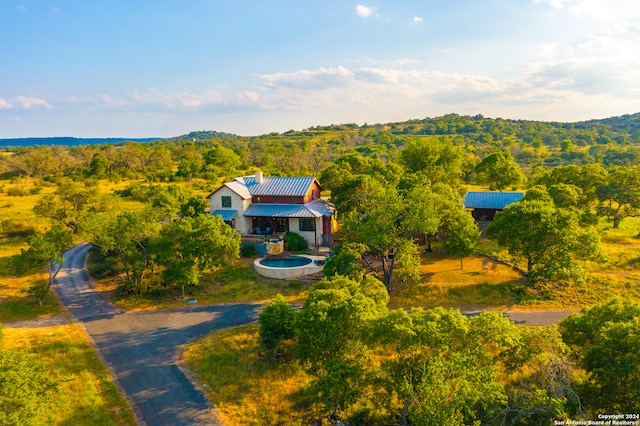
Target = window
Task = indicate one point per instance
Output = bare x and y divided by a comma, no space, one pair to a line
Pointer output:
307,224
282,224
226,201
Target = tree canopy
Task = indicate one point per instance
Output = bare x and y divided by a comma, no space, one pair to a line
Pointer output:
548,238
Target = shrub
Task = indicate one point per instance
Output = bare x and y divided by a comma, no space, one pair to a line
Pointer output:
16,230
276,326
249,250
17,192
294,242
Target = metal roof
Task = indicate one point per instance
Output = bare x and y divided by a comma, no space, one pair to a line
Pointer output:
315,208
227,215
293,186
491,200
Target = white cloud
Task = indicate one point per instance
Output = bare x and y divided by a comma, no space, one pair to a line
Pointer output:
548,51
418,20
111,101
21,7
33,103
365,11
4,104
181,100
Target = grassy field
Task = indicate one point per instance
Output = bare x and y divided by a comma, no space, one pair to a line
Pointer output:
18,222
444,283
233,285
245,388
87,394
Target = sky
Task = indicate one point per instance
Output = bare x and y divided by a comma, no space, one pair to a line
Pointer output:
163,68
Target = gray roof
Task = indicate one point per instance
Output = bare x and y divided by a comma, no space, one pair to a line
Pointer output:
491,200
313,209
227,215
293,186
239,189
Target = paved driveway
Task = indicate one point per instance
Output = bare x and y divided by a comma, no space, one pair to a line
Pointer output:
142,348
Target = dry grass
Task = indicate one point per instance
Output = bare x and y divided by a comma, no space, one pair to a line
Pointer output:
16,213
443,283
236,284
245,388
87,394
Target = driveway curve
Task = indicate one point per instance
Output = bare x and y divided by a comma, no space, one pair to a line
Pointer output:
142,348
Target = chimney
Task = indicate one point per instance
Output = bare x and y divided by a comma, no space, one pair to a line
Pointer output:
259,177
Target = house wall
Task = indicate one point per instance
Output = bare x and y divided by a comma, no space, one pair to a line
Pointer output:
310,236
237,203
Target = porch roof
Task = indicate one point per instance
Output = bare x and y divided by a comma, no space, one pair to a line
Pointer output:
313,209
227,215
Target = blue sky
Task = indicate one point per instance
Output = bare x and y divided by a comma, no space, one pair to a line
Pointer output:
162,68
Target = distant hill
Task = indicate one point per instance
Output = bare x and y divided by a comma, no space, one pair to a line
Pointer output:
69,141
205,135
627,122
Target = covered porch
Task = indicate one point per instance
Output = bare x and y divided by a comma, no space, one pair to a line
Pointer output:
313,225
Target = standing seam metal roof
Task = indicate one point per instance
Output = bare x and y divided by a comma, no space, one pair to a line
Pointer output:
279,186
491,200
315,208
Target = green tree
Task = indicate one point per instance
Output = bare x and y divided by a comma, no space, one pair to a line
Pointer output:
127,235
436,159
548,238
566,195
189,246
499,170
347,261
27,390
606,342
620,194
46,249
222,158
193,206
588,178
540,382
100,165
68,206
276,326
191,161
444,367
462,236
331,334
353,178
385,233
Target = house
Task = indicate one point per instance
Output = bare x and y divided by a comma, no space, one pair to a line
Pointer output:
262,205
484,205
